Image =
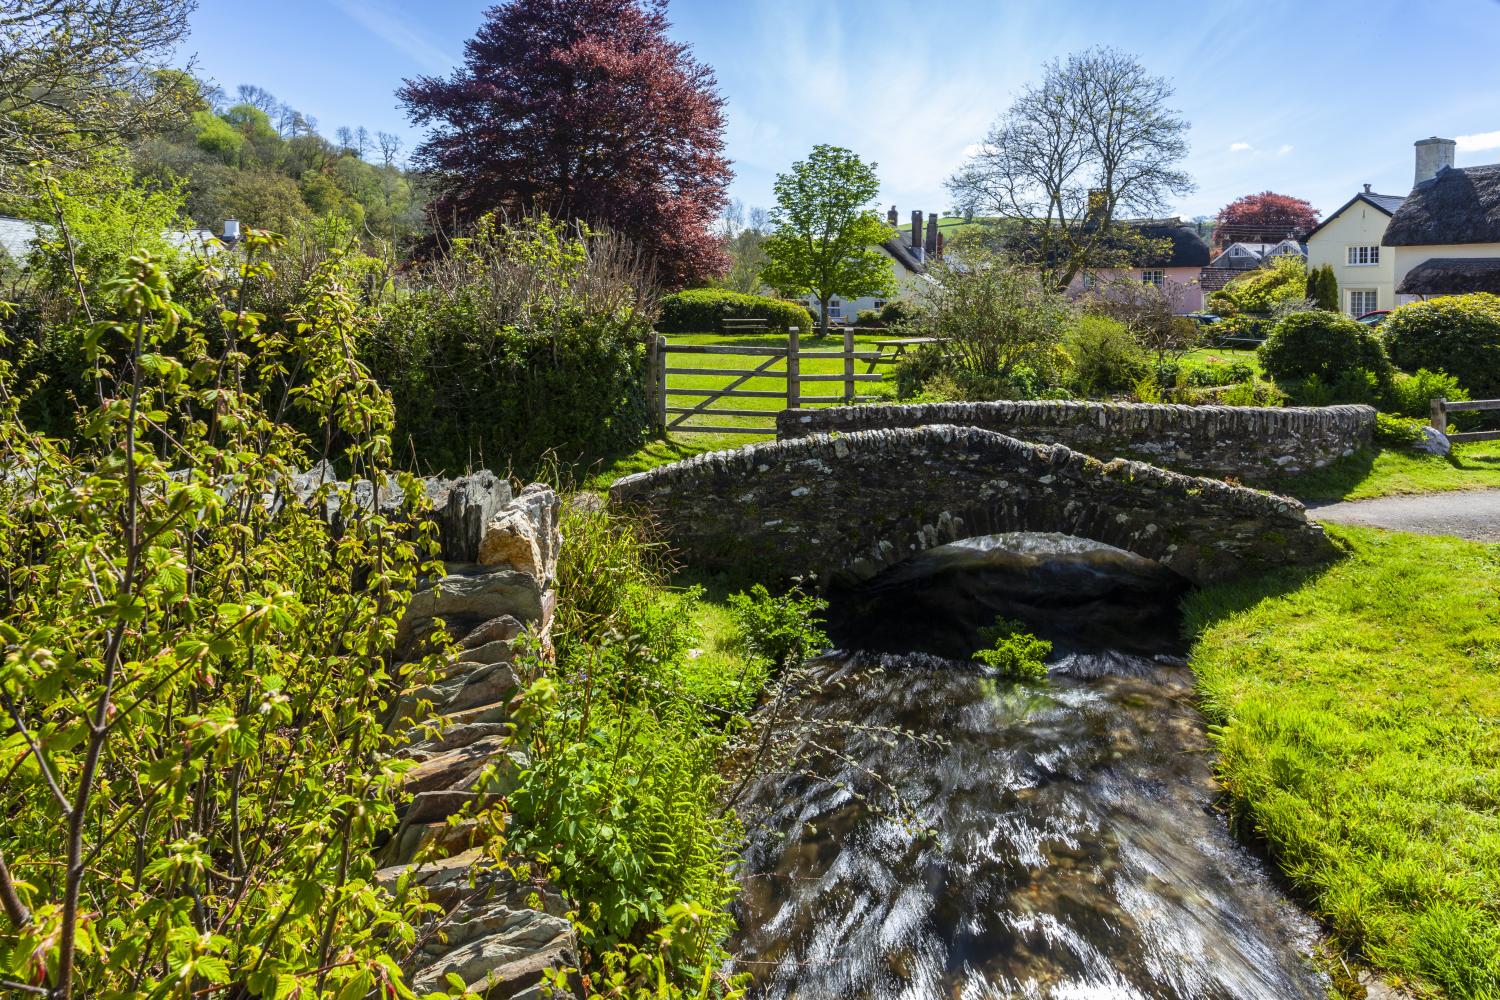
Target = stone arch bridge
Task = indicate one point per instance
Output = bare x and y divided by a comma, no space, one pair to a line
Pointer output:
840,508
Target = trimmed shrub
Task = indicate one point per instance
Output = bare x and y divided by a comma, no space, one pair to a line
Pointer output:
704,310
1326,346
1106,358
890,314
1459,334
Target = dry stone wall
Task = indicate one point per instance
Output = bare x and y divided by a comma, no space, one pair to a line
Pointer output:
500,551
1253,443
841,508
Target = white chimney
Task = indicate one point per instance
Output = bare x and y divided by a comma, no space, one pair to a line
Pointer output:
1433,155
231,230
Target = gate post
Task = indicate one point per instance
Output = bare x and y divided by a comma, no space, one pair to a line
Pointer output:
1440,415
793,367
658,382
848,365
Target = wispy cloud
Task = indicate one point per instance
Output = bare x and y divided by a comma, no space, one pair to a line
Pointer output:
1479,141
1284,149
1238,147
393,29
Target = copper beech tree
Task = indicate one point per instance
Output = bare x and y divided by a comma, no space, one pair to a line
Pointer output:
582,110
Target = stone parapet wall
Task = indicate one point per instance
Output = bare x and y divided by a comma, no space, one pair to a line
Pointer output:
495,598
840,508
1258,444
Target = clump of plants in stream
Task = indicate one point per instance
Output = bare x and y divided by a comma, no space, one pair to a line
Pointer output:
194,665
1012,652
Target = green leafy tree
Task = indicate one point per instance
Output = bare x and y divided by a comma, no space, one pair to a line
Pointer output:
1323,288
826,234
1284,280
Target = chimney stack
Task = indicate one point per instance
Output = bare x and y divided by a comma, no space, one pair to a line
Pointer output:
916,232
1367,189
1433,155
891,217
932,235
940,246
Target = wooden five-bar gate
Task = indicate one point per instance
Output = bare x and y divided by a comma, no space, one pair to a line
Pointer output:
675,418
1442,407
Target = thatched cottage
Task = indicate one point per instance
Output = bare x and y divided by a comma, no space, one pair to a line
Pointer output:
1445,237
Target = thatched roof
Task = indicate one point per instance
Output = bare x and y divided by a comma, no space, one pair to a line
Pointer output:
1459,205
1452,276
903,254
1187,249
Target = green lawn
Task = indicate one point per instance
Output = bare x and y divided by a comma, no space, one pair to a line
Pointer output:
766,407
1379,472
1356,711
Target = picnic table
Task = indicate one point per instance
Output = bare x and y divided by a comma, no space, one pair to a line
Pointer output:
897,348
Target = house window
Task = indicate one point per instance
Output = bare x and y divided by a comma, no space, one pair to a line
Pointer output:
1362,256
835,309
879,304
1153,276
1362,300
1089,281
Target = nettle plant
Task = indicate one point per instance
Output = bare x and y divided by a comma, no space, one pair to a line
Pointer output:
195,663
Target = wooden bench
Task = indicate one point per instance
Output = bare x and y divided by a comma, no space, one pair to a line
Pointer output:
748,324
897,348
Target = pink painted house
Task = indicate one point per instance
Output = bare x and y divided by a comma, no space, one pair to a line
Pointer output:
1179,270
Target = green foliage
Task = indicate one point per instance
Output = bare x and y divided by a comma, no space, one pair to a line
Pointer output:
1106,358
1323,288
826,237
1455,333
1281,282
1213,375
703,310
1330,349
1412,394
916,368
1013,652
995,317
620,799
524,340
1397,432
1353,712
195,677
892,314
783,630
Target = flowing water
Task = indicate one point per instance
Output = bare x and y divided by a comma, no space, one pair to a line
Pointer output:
1060,841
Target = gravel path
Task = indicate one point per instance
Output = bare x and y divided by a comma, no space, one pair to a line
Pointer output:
1473,514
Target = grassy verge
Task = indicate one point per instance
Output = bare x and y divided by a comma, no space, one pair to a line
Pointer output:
1391,472
1357,717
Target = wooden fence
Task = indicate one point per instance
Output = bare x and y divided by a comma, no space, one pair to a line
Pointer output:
675,418
1442,407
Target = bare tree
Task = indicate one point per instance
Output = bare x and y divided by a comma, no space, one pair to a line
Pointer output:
759,220
361,141
390,147
257,97
731,220
76,75
1093,142
345,136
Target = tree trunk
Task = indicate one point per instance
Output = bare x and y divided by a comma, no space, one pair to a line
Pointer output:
823,319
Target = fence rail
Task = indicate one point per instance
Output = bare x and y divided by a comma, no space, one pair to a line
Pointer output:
1442,407
676,418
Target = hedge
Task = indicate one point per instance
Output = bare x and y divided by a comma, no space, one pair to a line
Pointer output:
1457,334
703,310
468,395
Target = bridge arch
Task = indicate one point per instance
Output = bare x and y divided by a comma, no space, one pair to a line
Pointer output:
841,508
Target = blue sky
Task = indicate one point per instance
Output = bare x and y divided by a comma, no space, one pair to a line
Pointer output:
1310,98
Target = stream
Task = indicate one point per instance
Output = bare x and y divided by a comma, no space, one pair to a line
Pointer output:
940,832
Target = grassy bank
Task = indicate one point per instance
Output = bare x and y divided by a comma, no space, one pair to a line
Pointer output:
1357,716
1380,472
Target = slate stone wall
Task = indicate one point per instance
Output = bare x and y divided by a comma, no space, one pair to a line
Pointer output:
1254,443
841,508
